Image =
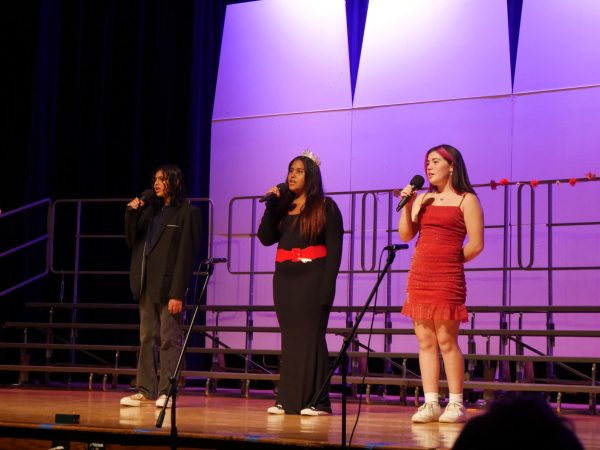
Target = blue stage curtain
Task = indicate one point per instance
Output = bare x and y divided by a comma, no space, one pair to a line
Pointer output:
103,92
97,95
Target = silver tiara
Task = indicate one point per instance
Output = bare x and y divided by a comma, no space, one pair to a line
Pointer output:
310,155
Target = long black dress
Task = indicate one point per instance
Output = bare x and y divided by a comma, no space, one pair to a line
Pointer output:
303,294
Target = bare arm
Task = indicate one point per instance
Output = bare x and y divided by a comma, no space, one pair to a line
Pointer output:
408,225
473,215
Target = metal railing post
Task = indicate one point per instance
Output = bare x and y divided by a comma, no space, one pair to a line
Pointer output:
549,317
73,338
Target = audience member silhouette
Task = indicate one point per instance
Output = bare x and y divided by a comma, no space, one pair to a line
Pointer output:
522,422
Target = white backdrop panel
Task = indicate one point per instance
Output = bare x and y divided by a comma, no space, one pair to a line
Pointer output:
422,50
282,56
556,134
389,144
558,45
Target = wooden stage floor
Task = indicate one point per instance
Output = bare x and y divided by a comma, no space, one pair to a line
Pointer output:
221,421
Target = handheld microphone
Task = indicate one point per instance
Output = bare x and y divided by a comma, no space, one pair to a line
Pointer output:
214,260
396,247
283,188
416,183
148,195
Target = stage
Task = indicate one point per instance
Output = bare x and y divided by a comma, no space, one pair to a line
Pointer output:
222,421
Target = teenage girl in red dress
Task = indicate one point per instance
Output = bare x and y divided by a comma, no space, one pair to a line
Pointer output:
442,217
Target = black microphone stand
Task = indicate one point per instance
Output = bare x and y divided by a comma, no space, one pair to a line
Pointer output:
342,356
173,379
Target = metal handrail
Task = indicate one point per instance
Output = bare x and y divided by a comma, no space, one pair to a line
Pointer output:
76,272
28,244
361,245
79,235
507,268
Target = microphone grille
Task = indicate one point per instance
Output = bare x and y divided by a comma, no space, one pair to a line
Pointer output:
417,181
283,188
147,195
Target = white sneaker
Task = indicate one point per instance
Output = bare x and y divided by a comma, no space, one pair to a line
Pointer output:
161,401
427,412
136,400
277,409
312,411
454,413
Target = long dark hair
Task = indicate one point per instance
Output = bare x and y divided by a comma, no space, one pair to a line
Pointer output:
175,183
459,178
312,217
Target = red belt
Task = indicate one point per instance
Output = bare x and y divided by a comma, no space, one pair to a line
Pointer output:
301,254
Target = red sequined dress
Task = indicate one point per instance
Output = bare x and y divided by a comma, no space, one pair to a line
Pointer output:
436,287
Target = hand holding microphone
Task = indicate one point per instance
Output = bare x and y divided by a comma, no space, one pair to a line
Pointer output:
146,197
410,190
274,192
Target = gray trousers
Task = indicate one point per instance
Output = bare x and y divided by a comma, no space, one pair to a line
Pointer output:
156,322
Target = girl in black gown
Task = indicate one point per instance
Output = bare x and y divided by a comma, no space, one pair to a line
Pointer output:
309,229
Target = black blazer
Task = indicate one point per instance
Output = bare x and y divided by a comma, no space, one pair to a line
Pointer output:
166,270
